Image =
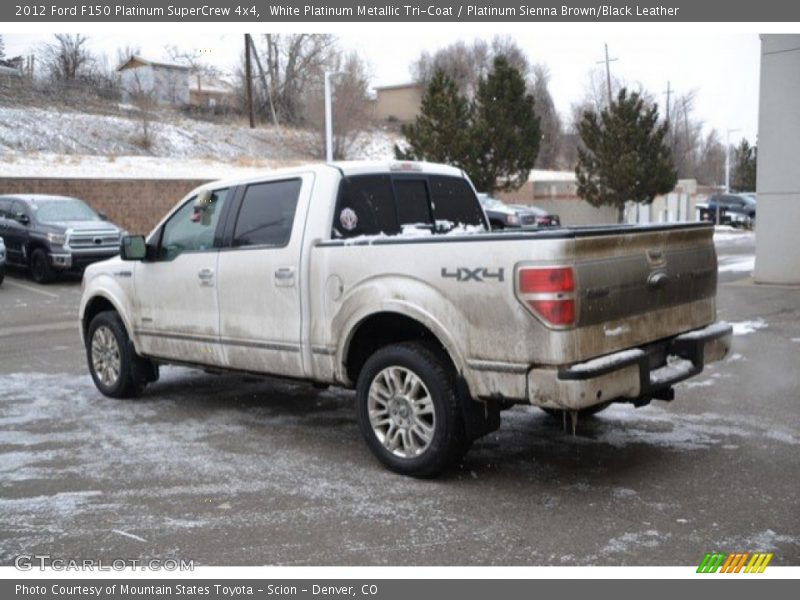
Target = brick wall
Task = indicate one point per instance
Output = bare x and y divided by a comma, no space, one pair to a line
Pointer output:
135,204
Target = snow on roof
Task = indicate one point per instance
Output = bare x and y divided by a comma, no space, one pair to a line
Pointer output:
133,60
543,175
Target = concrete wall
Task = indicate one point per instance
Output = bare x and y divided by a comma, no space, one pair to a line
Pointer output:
400,103
559,197
135,204
778,221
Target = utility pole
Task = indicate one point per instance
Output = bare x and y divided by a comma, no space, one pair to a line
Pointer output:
668,93
329,75
249,80
608,73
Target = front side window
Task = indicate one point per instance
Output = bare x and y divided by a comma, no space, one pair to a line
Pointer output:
192,227
267,214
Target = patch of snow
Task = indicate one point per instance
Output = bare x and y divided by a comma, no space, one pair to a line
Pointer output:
128,535
795,340
737,264
746,327
616,331
631,541
607,361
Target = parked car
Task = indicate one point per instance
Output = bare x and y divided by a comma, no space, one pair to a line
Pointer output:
51,234
541,218
502,215
306,273
2,260
738,210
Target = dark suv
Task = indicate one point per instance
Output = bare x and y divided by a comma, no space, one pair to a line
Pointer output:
735,209
48,234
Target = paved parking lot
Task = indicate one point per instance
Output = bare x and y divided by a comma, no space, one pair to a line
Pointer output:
227,470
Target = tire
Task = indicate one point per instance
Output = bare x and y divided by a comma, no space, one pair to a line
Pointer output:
41,271
421,442
2,274
117,371
584,412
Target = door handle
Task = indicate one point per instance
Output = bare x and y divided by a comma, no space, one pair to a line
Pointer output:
284,276
206,276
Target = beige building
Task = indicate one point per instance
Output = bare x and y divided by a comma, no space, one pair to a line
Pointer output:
398,102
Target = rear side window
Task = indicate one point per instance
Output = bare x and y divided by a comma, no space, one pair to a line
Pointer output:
413,203
454,202
365,207
267,214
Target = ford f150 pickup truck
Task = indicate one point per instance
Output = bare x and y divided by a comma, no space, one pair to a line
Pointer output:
384,277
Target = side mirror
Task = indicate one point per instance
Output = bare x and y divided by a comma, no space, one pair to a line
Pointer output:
133,247
22,218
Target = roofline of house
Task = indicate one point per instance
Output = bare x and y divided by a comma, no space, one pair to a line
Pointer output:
398,86
152,63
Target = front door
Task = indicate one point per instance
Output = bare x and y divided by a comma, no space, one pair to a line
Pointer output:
177,316
259,278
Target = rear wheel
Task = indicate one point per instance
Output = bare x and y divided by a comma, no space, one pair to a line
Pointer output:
117,371
408,410
41,271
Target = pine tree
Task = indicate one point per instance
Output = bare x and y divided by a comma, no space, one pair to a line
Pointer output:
505,134
2,48
623,155
744,168
495,138
440,132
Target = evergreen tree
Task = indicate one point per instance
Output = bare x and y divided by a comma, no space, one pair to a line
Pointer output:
2,48
505,134
744,168
440,132
623,155
495,138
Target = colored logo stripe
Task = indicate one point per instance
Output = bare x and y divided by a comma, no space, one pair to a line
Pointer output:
734,562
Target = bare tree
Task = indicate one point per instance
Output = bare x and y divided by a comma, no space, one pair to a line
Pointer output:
468,63
144,98
350,106
67,58
293,63
549,156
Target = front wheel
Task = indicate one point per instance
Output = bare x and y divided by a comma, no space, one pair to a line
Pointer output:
408,410
116,369
41,271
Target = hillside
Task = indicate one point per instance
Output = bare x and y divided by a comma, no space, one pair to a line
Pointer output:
33,141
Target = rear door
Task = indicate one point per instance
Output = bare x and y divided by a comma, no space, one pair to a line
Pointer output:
259,277
15,234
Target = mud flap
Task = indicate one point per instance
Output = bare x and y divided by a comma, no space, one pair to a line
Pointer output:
480,417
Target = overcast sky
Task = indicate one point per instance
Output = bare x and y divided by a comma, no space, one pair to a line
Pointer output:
722,69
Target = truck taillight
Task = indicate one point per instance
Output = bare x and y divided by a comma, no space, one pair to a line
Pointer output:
549,293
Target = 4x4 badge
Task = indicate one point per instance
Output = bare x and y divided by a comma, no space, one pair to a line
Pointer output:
470,274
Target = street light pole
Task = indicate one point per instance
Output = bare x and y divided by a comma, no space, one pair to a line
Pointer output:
329,75
727,165
328,118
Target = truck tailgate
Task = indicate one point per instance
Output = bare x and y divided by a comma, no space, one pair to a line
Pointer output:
636,285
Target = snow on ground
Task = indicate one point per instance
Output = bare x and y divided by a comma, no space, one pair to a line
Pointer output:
46,142
131,167
745,327
724,235
737,263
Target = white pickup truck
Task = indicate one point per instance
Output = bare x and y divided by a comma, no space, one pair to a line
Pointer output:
384,277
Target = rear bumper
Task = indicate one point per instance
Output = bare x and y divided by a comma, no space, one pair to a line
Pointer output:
636,374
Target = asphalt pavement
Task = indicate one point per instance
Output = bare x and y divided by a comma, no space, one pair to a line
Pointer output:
225,470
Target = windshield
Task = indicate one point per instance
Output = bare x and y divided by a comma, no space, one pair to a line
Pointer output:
489,202
54,211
